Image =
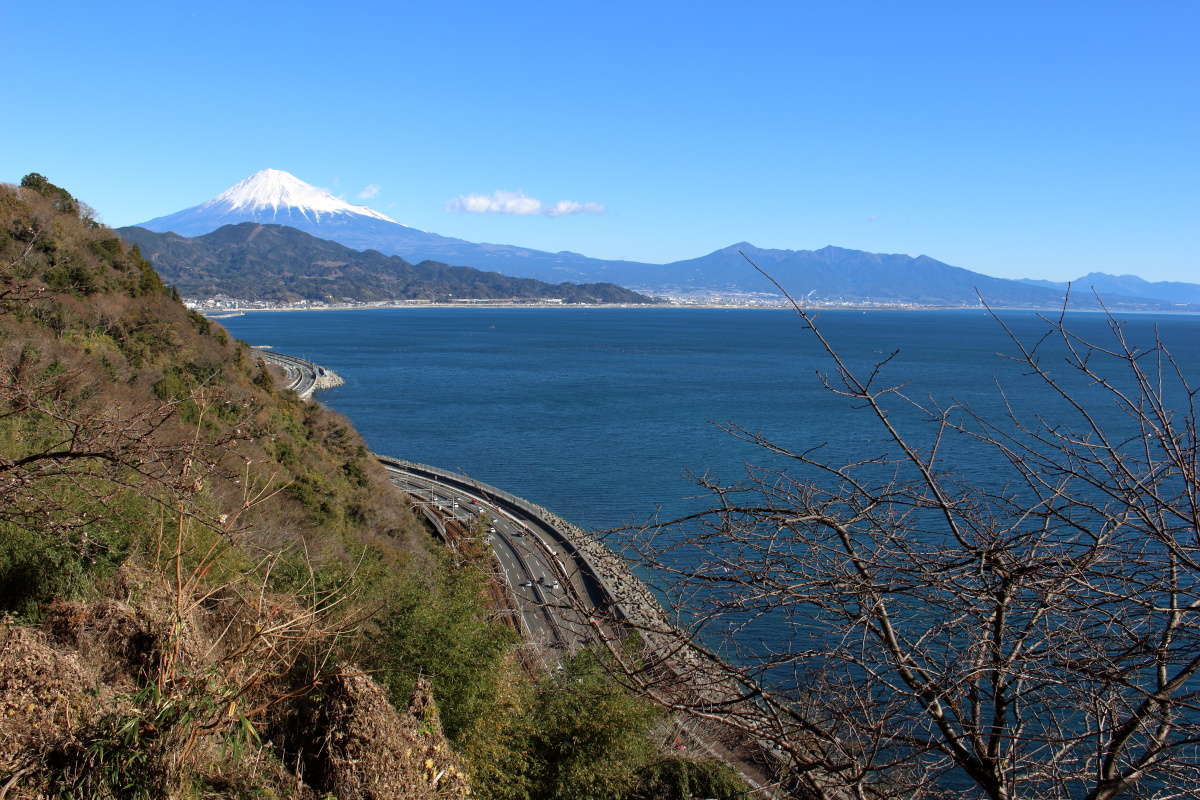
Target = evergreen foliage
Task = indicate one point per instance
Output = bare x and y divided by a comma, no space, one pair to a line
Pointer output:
435,625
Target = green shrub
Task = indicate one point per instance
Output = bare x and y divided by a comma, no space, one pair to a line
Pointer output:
40,565
72,277
63,201
436,624
673,778
590,738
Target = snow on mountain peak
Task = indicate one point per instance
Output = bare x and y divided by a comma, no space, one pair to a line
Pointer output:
275,189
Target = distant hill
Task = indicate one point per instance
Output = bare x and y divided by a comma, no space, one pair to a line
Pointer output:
834,274
1172,292
281,264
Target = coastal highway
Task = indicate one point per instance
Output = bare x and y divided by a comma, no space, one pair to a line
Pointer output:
538,569
538,573
554,585
303,377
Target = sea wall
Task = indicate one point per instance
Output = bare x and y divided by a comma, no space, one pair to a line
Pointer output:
623,594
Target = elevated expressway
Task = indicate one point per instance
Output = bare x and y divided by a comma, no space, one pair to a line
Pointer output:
542,578
303,377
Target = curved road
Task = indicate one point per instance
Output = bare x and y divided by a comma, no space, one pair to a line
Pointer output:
303,377
540,568
536,571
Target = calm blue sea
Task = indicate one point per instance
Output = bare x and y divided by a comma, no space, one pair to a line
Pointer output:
600,414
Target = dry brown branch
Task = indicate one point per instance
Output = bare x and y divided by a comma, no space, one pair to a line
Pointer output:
1036,634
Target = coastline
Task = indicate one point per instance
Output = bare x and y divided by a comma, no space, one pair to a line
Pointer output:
232,311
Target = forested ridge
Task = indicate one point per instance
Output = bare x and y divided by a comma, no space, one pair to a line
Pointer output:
282,264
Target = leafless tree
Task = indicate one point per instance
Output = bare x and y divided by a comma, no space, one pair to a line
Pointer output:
1034,635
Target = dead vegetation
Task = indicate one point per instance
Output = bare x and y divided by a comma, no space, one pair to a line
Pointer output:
366,750
1023,624
123,697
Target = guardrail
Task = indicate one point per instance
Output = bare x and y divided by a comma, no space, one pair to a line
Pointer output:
317,376
527,510
609,583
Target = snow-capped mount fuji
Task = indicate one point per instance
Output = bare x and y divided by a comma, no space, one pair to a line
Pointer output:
275,189
273,196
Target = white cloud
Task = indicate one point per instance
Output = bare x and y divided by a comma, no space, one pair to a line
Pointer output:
369,191
565,207
518,203
498,202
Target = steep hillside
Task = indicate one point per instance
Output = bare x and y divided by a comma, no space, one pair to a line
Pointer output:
92,340
279,263
179,544
209,589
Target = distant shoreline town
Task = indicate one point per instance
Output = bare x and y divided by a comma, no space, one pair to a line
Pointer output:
221,307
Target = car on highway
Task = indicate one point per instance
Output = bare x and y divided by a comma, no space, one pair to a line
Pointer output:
527,584
492,530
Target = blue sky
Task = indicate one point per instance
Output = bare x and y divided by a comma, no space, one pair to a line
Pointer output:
1044,140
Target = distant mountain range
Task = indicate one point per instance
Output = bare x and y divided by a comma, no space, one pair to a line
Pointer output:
1173,292
277,263
831,274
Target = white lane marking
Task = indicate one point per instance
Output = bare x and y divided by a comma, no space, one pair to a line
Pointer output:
481,503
